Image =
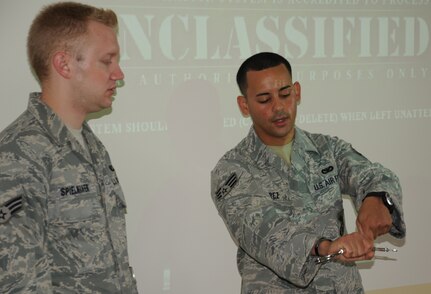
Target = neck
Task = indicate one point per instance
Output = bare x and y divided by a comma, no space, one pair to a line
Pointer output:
62,105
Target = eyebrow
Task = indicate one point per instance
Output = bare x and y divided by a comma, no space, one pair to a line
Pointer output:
112,55
279,90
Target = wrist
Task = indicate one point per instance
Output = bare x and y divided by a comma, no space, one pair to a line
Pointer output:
321,246
386,200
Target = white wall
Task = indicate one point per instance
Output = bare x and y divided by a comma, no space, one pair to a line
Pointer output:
364,67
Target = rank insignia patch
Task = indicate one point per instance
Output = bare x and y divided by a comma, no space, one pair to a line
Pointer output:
227,186
10,208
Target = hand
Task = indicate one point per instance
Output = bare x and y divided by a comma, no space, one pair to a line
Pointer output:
355,245
373,218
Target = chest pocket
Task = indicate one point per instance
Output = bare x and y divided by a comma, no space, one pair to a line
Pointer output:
74,197
272,185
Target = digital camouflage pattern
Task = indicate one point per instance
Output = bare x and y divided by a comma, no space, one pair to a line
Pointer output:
68,233
275,212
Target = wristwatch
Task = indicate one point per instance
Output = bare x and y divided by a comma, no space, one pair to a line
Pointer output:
387,200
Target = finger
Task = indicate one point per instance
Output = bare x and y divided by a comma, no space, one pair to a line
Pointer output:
370,255
357,258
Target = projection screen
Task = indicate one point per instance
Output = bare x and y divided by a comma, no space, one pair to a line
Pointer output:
364,68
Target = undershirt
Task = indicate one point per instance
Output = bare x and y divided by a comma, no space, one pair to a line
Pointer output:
283,151
77,133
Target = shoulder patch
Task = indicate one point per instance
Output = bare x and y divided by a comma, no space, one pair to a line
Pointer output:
10,208
227,186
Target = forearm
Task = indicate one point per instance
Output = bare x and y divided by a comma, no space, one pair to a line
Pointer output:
359,177
278,241
283,248
24,263
24,270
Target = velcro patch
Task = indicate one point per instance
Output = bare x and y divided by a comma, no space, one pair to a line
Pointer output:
227,186
10,208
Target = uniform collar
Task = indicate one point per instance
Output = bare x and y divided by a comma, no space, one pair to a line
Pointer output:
50,121
302,141
263,155
259,152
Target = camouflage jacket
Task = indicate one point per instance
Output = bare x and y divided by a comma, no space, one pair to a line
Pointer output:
62,210
275,212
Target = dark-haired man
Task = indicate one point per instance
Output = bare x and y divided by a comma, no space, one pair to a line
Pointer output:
279,192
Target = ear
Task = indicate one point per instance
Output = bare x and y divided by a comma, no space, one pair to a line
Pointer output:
297,88
243,106
60,62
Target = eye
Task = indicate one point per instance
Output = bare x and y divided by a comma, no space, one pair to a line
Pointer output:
264,101
107,61
285,93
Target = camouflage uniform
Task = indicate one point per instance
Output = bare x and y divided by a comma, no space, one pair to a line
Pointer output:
275,212
62,212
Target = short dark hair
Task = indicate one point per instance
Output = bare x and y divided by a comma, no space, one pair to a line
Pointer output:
259,61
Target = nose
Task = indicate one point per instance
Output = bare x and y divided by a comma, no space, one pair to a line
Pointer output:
277,103
117,74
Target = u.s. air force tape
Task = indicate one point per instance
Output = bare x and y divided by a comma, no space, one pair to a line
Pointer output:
10,208
227,186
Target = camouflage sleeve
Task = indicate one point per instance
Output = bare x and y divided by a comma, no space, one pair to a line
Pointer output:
266,230
359,176
24,261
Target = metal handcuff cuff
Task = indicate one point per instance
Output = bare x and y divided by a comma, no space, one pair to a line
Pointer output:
327,258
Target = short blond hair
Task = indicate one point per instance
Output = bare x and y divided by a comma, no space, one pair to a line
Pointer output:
58,27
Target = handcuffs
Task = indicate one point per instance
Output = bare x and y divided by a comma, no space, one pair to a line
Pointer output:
327,258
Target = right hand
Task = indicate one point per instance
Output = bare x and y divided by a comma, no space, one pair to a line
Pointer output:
355,245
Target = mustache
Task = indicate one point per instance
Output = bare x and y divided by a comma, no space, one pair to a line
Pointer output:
280,115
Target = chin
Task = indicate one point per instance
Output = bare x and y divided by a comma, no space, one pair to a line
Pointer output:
284,135
107,102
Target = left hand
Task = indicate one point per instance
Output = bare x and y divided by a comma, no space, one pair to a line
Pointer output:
356,247
373,218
